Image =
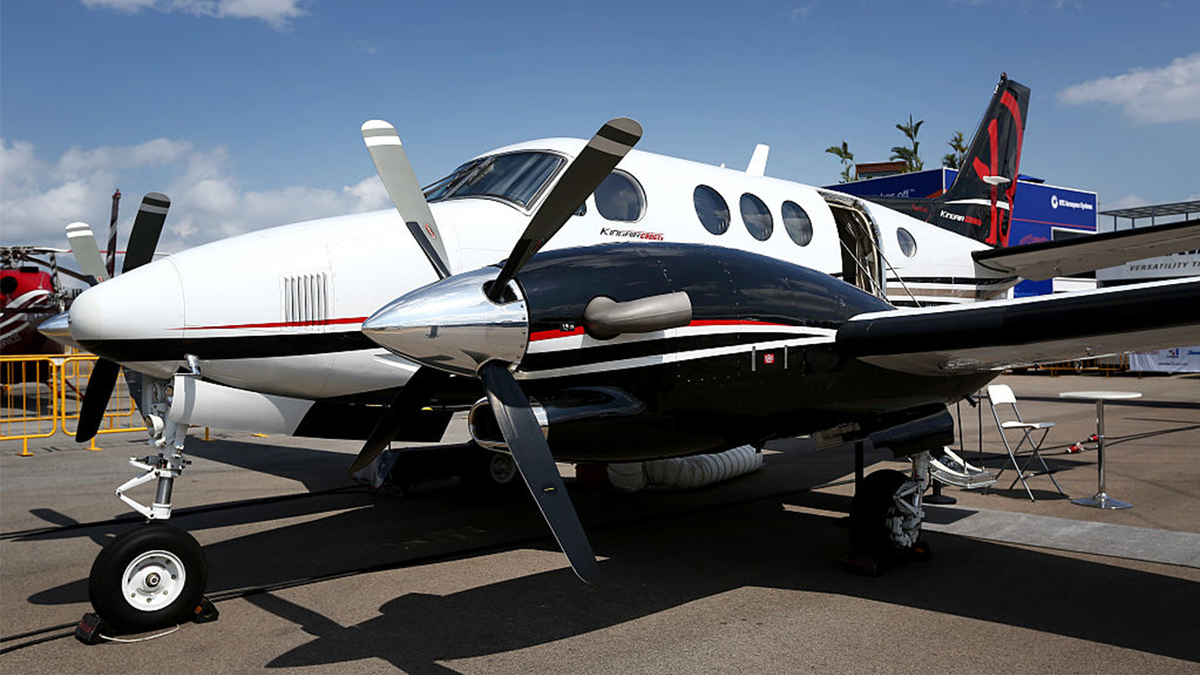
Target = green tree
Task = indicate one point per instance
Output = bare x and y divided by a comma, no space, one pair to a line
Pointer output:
958,144
909,154
843,153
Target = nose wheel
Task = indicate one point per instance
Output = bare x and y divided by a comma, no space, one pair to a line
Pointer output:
148,578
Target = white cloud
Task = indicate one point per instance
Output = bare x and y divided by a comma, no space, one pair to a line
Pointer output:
801,13
38,197
276,13
1127,202
1167,94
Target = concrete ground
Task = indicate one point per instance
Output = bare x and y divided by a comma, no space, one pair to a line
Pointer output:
739,577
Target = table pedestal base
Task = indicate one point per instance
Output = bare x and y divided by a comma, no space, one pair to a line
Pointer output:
1102,501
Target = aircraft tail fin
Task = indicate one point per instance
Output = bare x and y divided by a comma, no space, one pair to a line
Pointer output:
979,202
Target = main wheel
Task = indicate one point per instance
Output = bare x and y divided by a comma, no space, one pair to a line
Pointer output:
493,475
879,528
148,578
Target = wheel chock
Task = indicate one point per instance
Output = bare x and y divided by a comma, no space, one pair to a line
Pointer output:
89,629
205,611
861,564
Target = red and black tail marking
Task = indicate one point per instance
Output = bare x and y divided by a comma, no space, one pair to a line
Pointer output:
972,206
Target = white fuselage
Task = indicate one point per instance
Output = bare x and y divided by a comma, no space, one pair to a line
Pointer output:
324,277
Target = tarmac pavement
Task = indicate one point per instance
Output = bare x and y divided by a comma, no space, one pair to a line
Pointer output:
739,577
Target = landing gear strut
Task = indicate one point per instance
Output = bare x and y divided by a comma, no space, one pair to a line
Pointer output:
886,517
153,576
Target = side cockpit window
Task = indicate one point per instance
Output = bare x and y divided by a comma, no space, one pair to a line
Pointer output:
620,198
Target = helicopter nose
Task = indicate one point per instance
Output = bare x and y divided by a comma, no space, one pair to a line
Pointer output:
143,304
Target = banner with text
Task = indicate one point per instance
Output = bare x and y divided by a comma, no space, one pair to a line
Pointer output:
1177,360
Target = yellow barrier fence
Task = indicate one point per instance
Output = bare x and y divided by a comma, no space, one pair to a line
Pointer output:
43,394
120,416
29,404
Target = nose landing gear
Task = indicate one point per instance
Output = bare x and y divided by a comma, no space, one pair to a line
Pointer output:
152,576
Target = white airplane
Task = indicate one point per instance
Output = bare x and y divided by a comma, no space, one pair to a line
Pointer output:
659,315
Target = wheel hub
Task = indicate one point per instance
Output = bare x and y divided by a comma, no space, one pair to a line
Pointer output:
905,516
502,468
153,580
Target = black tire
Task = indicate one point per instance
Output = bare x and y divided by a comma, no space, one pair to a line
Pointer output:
872,506
162,549
493,475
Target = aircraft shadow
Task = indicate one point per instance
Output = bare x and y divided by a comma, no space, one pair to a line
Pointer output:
660,566
355,529
664,563
665,550
316,469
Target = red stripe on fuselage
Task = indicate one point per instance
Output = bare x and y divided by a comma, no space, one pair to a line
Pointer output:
279,324
553,334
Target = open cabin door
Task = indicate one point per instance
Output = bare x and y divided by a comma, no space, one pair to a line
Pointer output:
858,237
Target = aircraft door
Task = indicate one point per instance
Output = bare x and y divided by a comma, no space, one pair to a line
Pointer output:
858,239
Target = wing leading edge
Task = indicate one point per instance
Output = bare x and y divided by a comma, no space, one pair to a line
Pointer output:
1005,333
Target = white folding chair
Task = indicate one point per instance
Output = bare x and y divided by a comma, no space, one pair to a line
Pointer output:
1002,394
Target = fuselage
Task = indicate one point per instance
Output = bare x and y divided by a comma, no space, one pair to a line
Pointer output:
278,310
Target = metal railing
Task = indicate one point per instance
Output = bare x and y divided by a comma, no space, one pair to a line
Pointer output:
28,399
41,395
1107,365
119,417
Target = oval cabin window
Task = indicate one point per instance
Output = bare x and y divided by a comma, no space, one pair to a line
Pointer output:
797,223
620,198
757,217
711,209
908,244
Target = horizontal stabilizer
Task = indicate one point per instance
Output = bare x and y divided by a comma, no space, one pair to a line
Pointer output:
1069,257
1004,333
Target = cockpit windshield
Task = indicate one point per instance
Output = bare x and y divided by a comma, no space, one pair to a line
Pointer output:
515,177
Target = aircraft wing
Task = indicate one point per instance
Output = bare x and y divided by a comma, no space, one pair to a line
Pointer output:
1049,259
1004,333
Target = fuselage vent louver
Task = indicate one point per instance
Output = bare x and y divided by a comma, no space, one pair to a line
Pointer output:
305,299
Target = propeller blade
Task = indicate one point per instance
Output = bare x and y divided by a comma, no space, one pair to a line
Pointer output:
598,158
147,227
533,458
416,393
87,254
398,178
95,399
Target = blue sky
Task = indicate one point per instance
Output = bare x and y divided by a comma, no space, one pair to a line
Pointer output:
246,112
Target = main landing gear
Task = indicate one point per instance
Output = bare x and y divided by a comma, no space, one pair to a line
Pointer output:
886,517
152,576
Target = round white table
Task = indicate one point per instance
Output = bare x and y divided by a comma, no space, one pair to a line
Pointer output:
1101,500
